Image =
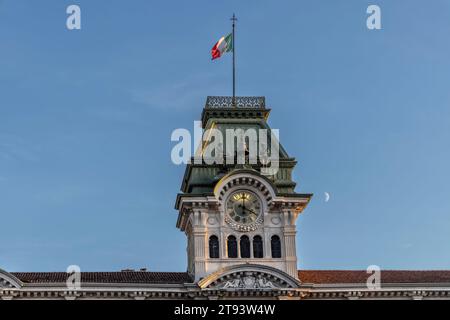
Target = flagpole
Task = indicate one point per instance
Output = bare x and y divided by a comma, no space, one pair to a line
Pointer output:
233,19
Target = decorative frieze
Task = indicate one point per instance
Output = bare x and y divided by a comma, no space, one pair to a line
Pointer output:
249,282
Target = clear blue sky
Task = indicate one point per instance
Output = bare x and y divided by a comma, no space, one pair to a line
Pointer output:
86,118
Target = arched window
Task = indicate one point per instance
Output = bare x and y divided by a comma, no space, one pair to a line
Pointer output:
275,245
245,247
257,247
213,247
232,247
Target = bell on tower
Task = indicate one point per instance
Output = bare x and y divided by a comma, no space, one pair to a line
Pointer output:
235,213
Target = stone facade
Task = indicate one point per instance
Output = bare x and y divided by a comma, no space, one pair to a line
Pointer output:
207,187
267,270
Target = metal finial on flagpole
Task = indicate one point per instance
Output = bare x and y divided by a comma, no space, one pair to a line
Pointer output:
233,19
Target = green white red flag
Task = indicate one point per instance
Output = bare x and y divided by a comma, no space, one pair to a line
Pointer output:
225,44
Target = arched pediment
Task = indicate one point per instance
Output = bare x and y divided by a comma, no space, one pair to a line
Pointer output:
245,177
248,277
8,281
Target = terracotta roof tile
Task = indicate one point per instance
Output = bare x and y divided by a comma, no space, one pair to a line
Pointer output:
305,276
107,277
361,276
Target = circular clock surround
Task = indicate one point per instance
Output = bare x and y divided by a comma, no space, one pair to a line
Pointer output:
243,210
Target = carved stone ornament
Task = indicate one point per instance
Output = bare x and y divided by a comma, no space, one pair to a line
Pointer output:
5,284
249,282
244,228
8,281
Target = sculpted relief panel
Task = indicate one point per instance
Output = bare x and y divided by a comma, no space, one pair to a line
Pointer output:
249,280
4,284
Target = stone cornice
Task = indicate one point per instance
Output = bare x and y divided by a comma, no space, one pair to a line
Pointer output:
192,291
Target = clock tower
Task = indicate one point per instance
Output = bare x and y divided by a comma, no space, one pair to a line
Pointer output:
239,217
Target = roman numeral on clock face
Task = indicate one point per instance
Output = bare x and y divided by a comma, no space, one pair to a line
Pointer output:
243,207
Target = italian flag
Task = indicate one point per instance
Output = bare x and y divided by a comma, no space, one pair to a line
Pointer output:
225,44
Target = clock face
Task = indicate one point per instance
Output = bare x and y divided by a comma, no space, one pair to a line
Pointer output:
243,207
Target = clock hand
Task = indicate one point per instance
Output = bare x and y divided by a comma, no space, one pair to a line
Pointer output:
250,210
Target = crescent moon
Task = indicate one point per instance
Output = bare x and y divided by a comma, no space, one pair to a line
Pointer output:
327,196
